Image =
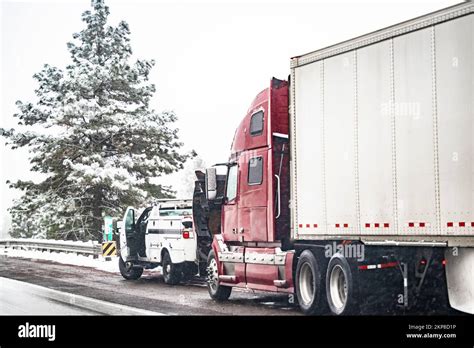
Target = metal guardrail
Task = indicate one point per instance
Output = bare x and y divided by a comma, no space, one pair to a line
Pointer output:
49,245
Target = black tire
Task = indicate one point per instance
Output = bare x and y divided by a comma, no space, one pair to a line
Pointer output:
310,288
216,291
341,286
171,271
128,271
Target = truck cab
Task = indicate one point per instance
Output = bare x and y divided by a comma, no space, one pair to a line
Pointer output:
255,193
254,248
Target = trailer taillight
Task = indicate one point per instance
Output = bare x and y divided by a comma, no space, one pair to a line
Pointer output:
186,234
422,266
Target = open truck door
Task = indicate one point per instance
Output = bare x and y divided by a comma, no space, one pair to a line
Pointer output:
127,231
207,204
128,246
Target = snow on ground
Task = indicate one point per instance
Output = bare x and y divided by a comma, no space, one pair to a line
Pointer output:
51,241
104,264
65,258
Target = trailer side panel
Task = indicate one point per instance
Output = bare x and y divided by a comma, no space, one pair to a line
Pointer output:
382,136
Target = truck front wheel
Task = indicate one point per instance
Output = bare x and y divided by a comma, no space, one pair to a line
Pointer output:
341,288
171,271
128,271
310,289
216,291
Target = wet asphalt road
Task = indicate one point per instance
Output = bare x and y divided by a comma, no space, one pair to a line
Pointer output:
150,292
18,299
191,298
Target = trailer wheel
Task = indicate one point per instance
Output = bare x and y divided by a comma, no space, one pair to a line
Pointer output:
341,288
128,271
171,271
216,291
310,290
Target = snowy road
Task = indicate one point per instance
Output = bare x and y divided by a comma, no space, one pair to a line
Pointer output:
148,293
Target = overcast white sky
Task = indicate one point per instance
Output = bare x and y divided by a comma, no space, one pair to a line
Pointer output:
212,57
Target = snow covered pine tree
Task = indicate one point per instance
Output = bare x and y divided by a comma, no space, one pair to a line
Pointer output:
93,135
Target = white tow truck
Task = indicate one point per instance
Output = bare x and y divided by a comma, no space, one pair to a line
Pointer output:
173,233
159,235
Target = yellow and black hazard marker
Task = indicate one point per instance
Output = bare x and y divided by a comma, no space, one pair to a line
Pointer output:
109,249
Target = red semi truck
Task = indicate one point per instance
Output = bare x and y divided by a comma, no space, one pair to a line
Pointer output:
353,182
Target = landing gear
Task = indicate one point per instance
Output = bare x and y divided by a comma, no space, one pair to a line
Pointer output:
216,291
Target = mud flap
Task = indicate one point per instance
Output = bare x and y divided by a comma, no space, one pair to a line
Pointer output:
459,271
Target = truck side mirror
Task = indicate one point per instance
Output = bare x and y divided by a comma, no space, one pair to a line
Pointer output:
115,225
211,183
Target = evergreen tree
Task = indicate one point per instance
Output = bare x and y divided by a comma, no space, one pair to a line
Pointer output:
93,135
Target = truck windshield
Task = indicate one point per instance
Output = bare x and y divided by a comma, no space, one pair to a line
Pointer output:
175,212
